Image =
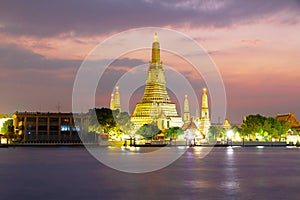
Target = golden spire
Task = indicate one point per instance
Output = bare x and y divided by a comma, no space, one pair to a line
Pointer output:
204,108
156,104
117,99
186,110
112,102
155,37
155,50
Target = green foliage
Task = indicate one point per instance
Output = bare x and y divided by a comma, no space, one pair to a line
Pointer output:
294,132
148,130
103,117
173,132
7,127
252,124
124,122
285,126
236,129
267,127
105,120
214,132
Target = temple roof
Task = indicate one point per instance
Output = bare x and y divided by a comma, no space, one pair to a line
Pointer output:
189,125
291,119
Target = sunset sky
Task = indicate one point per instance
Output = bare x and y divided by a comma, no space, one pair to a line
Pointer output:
255,44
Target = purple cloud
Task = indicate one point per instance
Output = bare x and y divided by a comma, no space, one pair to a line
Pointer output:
52,18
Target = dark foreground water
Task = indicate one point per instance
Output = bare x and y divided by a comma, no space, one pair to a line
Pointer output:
225,173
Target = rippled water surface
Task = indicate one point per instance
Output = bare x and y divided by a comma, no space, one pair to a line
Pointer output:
225,173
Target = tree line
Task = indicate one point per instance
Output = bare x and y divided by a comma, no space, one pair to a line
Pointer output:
115,123
255,126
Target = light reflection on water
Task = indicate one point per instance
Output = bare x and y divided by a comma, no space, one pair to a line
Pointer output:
225,173
231,183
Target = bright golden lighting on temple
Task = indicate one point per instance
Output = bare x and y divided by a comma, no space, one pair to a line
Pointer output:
155,37
115,103
156,106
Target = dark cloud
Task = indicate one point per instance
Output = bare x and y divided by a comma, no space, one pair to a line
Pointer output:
77,17
15,57
128,62
22,67
39,81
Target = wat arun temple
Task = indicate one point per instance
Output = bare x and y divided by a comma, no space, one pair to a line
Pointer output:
156,106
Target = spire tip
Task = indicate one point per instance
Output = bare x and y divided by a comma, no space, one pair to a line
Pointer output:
155,37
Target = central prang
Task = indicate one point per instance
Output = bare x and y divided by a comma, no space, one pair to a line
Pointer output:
156,106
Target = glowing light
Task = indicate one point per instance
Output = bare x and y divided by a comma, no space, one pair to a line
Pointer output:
237,137
229,134
229,150
197,150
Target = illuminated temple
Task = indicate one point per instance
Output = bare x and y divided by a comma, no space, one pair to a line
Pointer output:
156,106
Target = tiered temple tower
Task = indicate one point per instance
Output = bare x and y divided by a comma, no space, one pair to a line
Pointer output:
115,100
196,113
112,102
204,118
156,105
186,110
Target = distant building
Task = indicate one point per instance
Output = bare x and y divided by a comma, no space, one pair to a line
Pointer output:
115,100
186,110
291,119
204,122
49,127
226,124
112,102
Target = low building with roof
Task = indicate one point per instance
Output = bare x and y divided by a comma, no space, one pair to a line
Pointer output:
291,119
49,127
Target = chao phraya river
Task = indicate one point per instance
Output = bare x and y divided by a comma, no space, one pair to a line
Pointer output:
225,173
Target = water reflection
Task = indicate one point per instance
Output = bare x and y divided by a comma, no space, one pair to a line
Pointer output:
231,183
225,173
229,151
197,152
199,184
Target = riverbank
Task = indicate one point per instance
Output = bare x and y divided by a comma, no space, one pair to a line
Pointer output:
173,143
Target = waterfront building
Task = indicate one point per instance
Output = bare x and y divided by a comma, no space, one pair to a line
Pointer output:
49,127
155,105
291,119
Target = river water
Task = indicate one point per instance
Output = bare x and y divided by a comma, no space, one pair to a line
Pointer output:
225,173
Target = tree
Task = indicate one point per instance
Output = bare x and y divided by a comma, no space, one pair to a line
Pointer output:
173,132
236,129
124,122
285,126
148,130
103,117
252,124
7,126
265,127
214,132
